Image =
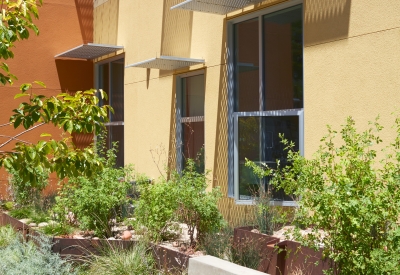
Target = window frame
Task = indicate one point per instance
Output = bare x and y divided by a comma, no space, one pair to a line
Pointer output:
178,116
233,172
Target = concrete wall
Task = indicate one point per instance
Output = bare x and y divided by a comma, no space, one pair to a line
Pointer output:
351,67
63,24
212,265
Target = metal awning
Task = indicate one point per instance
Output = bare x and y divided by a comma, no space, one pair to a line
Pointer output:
90,51
215,6
167,63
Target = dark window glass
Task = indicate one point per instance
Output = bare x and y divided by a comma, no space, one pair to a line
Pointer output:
259,142
111,80
193,96
192,123
193,143
115,133
283,59
246,59
104,82
117,90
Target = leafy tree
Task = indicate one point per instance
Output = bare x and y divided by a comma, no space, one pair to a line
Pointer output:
74,113
16,19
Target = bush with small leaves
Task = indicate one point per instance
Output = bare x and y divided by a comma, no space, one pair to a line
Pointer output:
350,199
95,201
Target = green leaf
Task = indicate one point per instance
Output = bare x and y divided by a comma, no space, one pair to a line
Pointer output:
18,121
45,135
24,87
20,95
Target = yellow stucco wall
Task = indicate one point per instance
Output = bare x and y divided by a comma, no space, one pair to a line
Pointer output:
351,67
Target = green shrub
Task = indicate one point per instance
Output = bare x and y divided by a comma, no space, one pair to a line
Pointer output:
8,205
349,195
94,201
156,206
27,192
22,213
7,235
219,243
197,208
182,198
57,229
28,258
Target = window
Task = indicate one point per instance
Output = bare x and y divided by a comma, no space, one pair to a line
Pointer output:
266,93
110,78
190,120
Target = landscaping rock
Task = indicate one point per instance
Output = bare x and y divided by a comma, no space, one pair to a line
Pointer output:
255,231
32,224
25,221
111,239
80,237
126,235
43,224
95,238
183,248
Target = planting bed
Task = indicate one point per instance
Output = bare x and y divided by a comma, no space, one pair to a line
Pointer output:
281,257
166,258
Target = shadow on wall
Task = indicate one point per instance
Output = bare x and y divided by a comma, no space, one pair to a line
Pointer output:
84,9
176,30
234,214
106,22
75,75
326,20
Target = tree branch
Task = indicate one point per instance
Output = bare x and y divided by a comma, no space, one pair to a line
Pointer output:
20,140
20,134
6,124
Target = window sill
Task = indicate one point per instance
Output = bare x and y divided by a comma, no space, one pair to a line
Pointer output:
272,203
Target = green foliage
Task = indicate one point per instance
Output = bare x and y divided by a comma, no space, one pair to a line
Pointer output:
15,21
21,213
136,261
7,235
29,258
265,215
78,113
24,192
182,198
57,229
8,205
156,206
94,201
36,215
196,207
350,196
219,243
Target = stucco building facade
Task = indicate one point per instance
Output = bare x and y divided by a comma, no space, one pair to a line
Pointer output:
218,80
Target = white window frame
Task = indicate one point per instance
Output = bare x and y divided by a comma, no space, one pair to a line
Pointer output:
233,163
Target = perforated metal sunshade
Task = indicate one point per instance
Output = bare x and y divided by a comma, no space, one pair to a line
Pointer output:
90,51
167,63
215,6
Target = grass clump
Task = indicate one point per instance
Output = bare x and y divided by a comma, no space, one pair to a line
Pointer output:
7,234
135,261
